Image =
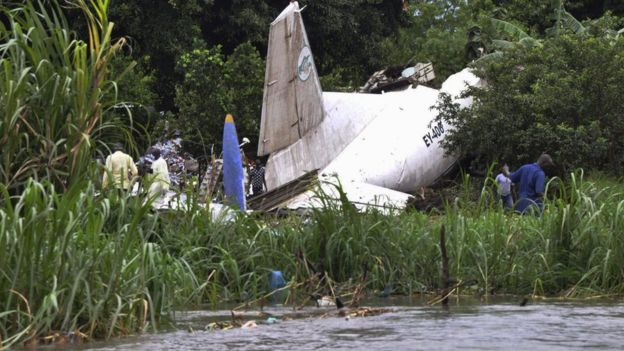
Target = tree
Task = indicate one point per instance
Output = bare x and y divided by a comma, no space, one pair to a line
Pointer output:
584,9
346,36
159,30
563,97
136,95
231,22
213,86
441,32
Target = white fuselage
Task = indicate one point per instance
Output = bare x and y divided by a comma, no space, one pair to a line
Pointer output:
389,140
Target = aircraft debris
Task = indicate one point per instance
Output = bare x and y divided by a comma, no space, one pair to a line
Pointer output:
399,78
378,148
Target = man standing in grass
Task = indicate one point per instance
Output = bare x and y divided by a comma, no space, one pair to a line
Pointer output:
531,179
160,175
504,187
120,166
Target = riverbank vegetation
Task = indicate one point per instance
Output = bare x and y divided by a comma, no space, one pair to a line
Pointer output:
80,262
108,265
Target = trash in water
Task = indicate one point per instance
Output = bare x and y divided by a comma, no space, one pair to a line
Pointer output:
325,301
249,324
276,282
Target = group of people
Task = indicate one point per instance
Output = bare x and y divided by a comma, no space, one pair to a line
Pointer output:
531,185
122,173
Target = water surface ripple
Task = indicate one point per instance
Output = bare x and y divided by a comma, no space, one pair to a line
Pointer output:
465,326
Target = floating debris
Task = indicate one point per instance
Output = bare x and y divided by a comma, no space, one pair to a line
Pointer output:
349,313
249,324
58,338
325,301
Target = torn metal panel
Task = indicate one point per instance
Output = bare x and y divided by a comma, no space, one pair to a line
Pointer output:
272,199
174,202
313,191
399,78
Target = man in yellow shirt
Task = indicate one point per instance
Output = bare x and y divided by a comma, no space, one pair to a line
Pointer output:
160,175
120,166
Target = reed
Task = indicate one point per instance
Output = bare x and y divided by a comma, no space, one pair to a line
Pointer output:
107,265
81,263
56,92
573,248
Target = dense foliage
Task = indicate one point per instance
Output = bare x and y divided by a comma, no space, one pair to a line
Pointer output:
562,96
213,86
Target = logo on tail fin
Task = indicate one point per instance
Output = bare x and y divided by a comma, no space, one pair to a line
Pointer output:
304,64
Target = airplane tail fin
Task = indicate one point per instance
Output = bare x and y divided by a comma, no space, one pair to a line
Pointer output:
292,103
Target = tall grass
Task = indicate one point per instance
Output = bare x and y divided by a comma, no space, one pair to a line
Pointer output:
55,91
107,265
76,262
573,249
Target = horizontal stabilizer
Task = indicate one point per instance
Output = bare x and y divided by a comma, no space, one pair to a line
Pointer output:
312,191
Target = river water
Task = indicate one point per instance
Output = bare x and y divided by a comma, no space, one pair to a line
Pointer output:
412,325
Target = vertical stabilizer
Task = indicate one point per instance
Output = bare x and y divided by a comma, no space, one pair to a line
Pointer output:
292,103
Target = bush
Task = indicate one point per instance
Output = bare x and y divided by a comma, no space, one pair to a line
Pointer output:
213,86
564,97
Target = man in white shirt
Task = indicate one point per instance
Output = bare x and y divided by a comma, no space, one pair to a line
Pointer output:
160,176
504,187
120,167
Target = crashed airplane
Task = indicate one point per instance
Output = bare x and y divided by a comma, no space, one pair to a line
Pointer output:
380,147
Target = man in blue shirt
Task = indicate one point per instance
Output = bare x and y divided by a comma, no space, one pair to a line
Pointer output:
531,178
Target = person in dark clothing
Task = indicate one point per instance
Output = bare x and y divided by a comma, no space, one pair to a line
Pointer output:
256,174
531,179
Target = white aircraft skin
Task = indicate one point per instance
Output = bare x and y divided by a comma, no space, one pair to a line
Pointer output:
379,144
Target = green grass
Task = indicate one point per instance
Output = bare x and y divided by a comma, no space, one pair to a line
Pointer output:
574,248
78,262
107,265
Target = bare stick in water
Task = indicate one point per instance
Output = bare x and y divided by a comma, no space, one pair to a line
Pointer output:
445,269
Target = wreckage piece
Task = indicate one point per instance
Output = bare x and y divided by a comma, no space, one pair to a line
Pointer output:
292,103
392,79
233,178
314,190
380,147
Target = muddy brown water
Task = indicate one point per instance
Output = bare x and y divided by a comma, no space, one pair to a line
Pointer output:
468,324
